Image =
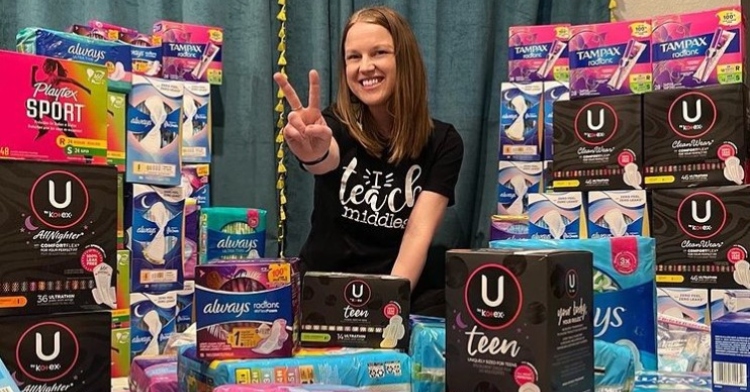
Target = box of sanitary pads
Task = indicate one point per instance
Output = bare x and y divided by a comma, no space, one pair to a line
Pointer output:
154,132
60,352
54,110
114,56
57,224
247,309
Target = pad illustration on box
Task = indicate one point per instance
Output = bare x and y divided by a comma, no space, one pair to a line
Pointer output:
355,310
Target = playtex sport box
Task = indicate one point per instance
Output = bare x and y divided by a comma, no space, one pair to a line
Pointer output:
57,228
508,311
355,310
115,57
696,137
702,238
56,110
62,352
538,53
700,48
247,309
190,52
610,58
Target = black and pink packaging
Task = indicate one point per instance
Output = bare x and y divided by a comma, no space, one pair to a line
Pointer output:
519,321
59,352
59,238
355,310
696,137
702,237
598,144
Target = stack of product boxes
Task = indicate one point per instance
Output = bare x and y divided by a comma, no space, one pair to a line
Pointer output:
59,264
538,77
656,129
156,130
163,133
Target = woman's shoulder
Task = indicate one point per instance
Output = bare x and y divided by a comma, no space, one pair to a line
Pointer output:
444,132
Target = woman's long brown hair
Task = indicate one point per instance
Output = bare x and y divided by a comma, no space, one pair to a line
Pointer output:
412,125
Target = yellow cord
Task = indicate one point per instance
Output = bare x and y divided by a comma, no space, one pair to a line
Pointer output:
280,154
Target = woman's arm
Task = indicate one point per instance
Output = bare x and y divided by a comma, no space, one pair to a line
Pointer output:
424,221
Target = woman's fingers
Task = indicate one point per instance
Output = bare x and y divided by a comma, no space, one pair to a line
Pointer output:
289,93
317,131
296,121
314,94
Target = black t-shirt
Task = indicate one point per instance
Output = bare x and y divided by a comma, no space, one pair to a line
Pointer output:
361,209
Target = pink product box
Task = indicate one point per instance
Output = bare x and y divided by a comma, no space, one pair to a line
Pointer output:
696,49
111,27
190,52
538,53
285,388
53,109
154,374
610,59
247,309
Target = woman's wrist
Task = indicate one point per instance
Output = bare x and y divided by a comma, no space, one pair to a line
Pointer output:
316,161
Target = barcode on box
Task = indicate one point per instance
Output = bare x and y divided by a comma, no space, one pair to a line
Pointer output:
730,374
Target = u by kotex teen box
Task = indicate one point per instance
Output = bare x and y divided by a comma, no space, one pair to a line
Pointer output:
53,109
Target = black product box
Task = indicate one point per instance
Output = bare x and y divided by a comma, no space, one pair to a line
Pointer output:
519,321
598,144
59,352
58,237
702,236
355,310
696,137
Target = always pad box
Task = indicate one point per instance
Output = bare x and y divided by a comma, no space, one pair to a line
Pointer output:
696,137
519,321
355,310
58,236
702,236
60,352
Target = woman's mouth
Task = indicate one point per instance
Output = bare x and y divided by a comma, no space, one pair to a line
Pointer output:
371,82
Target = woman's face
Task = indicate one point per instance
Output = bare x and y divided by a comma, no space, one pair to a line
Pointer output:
370,63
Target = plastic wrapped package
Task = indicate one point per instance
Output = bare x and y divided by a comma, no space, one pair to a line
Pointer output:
614,367
370,370
285,388
684,345
427,351
672,382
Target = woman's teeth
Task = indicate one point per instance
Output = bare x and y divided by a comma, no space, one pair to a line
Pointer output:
371,82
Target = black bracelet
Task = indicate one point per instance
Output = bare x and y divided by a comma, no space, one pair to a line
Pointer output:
315,162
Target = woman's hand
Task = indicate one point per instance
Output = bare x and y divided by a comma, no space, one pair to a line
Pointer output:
306,132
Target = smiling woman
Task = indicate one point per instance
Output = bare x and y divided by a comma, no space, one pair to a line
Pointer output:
385,171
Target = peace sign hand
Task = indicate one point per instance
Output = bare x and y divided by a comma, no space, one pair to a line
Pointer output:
306,133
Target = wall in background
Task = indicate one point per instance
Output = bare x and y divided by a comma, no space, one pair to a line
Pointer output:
633,9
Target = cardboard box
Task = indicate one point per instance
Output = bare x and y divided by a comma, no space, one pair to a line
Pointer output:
512,316
355,310
59,352
57,224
